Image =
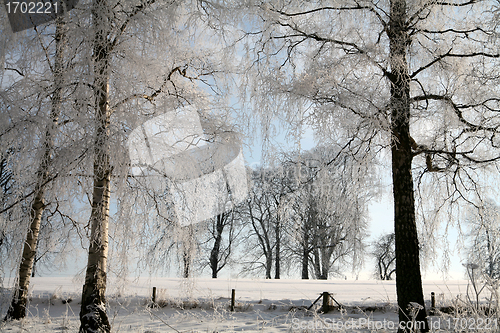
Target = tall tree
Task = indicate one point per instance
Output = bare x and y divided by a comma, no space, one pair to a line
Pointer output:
110,22
17,310
161,54
415,77
93,315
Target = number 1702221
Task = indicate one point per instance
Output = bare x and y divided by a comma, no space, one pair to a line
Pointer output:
32,7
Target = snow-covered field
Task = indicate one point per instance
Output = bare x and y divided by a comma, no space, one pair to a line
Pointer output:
202,305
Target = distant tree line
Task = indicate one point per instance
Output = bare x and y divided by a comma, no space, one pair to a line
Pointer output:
307,214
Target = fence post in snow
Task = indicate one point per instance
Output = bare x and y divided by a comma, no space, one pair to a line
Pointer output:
433,303
233,293
153,298
326,302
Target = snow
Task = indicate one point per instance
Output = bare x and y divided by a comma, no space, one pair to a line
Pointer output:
202,305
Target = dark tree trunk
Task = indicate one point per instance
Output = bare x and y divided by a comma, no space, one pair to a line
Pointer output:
491,260
408,277
325,263
188,247
269,265
305,265
186,259
278,249
317,264
324,273
214,254
305,256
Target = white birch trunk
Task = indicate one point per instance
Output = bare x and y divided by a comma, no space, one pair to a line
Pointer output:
93,317
17,309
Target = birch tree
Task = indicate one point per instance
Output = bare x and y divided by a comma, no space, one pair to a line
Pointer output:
136,33
416,77
124,35
18,306
93,315
34,92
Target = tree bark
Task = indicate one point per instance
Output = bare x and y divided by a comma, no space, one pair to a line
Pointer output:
408,277
269,261
186,259
325,263
277,267
317,262
188,247
305,265
214,254
93,317
17,309
305,254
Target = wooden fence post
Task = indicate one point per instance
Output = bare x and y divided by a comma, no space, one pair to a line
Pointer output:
153,298
326,302
433,304
233,294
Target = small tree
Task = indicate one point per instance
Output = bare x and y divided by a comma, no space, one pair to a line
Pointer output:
260,213
223,232
484,239
384,252
265,216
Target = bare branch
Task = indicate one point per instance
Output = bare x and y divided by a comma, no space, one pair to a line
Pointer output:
456,31
158,91
439,58
454,55
15,70
458,111
441,3
48,180
351,48
467,3
138,9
